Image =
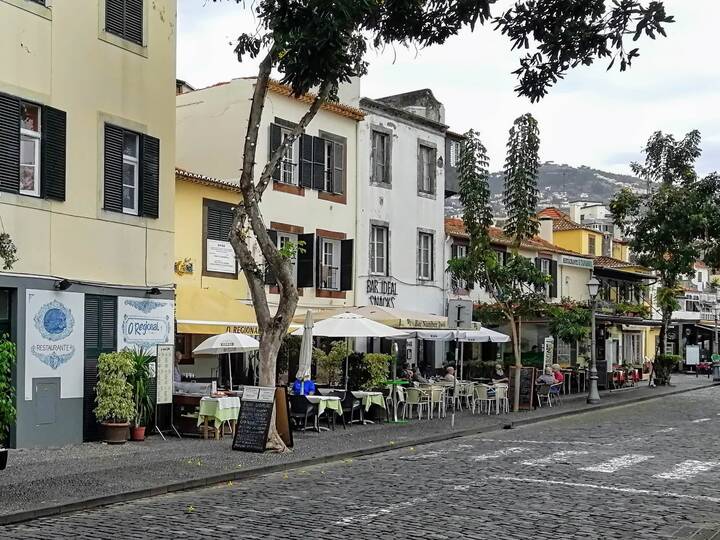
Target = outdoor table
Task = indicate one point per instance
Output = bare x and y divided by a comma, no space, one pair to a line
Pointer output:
370,398
326,402
394,384
220,410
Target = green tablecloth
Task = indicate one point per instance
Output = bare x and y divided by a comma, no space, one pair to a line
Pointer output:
211,409
326,402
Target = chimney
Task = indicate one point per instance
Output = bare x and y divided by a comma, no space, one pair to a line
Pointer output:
546,229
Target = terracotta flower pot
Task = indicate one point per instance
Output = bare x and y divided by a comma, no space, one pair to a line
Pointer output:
3,458
137,433
116,433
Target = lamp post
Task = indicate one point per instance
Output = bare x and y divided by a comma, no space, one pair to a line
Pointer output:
593,395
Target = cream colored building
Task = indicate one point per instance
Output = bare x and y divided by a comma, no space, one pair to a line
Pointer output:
87,154
312,197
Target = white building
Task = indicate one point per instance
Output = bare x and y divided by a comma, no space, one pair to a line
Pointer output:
400,204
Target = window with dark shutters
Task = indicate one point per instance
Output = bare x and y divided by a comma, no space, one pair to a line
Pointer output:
270,278
48,158
219,223
124,18
553,279
318,180
219,218
306,261
306,160
346,265
115,166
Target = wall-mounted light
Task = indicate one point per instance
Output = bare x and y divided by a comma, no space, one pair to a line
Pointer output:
62,285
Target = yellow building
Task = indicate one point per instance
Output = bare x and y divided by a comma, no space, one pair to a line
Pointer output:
212,294
87,152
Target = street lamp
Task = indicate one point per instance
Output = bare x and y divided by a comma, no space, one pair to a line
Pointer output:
593,395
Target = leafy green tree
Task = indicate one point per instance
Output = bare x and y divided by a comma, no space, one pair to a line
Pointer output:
8,353
521,170
516,285
317,45
570,322
677,221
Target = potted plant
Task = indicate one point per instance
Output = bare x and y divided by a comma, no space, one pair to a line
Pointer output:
140,382
115,407
663,366
7,394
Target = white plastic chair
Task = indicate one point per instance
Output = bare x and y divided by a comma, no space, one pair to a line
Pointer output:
437,397
414,397
482,398
501,398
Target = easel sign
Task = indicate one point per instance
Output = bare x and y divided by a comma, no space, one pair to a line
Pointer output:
164,383
254,419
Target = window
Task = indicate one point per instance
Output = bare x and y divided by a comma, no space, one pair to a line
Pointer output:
30,149
287,238
425,256
329,264
379,250
131,175
379,158
132,172
458,251
124,18
426,169
220,260
289,161
546,270
454,153
632,349
591,244
334,165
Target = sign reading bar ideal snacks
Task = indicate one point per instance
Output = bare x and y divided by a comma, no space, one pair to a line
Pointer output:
580,262
144,323
54,340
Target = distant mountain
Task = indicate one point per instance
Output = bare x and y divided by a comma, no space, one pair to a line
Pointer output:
560,184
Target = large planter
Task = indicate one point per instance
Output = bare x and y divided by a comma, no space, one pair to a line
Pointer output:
3,458
137,433
116,433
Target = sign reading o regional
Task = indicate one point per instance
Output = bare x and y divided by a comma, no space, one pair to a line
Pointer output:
54,340
144,323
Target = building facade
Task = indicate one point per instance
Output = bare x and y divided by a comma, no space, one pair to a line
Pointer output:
311,200
86,172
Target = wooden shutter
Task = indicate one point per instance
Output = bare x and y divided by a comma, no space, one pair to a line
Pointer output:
115,17
338,170
275,142
134,21
113,169
318,261
306,261
100,337
433,171
9,144
270,278
330,167
306,160
53,153
318,180
346,265
150,179
214,223
553,279
419,168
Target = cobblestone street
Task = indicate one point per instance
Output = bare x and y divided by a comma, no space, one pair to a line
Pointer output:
647,470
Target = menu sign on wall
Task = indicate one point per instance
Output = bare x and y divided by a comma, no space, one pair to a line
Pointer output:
220,257
164,373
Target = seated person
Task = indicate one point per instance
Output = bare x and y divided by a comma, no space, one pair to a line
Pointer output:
498,375
547,378
418,377
304,388
557,371
449,374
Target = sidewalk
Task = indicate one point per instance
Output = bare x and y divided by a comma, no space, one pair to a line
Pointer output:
41,482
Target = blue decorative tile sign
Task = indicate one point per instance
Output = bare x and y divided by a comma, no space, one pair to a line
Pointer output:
145,322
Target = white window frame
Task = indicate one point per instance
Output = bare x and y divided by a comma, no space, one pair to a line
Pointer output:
135,162
374,161
36,138
454,153
379,244
289,163
282,239
460,253
545,268
329,264
425,256
426,160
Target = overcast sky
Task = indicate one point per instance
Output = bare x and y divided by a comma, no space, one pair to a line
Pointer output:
592,117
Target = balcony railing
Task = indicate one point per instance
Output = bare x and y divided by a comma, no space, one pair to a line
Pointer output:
330,277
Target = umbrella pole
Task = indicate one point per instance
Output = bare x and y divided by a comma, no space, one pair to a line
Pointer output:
347,354
462,359
230,371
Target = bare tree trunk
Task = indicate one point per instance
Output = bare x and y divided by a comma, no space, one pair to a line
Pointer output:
248,222
518,362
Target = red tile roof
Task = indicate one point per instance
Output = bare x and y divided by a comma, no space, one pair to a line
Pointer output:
562,221
181,174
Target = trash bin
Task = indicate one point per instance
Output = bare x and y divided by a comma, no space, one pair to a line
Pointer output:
716,367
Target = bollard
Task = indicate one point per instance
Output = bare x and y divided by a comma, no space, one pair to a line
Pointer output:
716,371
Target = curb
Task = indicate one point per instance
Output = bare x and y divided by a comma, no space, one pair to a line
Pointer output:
207,481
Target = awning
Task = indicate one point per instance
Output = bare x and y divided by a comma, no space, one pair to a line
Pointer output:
397,318
220,327
633,321
482,335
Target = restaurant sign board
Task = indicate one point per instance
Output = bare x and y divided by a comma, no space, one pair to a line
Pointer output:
580,262
144,322
254,419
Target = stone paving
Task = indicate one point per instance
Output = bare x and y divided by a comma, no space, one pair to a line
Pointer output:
42,478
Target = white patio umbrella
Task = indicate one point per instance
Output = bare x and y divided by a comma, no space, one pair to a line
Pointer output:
306,348
227,344
349,325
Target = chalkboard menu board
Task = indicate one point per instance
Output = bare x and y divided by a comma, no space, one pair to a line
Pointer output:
527,386
253,423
